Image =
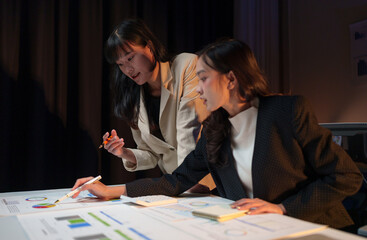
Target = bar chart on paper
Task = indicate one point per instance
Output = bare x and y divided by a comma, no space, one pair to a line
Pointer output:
73,221
106,222
86,219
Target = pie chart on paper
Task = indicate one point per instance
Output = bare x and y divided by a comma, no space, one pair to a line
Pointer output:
44,205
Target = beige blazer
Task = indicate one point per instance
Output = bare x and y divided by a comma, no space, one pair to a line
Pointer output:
181,112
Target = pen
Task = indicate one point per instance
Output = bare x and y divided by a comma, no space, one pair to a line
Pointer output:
106,141
78,189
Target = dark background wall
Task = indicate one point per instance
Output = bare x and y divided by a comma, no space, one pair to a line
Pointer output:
55,89
320,60
55,100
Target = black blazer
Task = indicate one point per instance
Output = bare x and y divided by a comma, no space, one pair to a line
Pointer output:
295,162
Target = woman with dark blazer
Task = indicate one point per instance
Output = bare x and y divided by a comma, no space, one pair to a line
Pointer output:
264,151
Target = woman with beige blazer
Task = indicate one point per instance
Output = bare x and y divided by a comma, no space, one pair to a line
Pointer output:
155,96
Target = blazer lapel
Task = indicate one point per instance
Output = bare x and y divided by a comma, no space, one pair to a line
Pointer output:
229,177
143,121
259,160
166,78
164,98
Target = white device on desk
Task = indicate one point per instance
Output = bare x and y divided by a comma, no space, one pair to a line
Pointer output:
151,200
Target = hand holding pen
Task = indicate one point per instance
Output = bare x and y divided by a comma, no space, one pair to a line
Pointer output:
105,141
78,189
98,189
112,143
115,145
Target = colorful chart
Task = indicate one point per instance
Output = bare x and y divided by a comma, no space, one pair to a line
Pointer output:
115,200
74,221
44,205
36,198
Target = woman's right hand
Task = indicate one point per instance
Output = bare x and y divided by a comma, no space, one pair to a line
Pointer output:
98,189
114,145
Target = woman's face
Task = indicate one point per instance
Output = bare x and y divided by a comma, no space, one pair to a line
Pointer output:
137,63
212,87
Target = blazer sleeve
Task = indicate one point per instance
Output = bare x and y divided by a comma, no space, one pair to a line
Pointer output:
190,172
190,109
145,158
334,176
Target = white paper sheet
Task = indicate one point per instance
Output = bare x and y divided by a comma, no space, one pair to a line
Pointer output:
173,221
35,202
106,222
265,226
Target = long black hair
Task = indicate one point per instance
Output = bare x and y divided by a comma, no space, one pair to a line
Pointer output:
225,56
126,91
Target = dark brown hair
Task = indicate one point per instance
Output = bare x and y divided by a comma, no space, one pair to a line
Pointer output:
225,56
126,91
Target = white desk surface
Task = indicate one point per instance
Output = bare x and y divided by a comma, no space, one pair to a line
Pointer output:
10,227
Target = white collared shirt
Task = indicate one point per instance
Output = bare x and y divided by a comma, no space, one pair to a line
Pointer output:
242,143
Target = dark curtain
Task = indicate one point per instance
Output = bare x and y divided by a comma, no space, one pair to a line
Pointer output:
263,25
55,99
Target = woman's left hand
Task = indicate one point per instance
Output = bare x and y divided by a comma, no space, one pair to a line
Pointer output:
258,206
